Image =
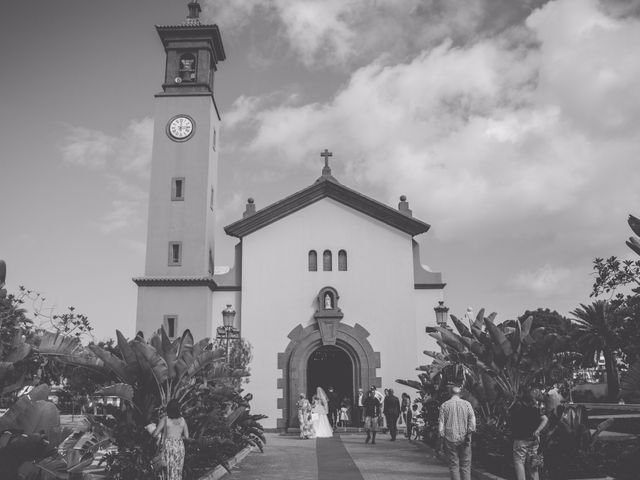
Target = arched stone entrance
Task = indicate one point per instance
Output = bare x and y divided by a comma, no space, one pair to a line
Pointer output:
330,366
294,362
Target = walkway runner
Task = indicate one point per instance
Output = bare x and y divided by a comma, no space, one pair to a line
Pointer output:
343,457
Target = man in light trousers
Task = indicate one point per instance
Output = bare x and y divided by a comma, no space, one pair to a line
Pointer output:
455,424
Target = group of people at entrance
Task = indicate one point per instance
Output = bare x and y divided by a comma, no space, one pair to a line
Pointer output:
324,413
314,416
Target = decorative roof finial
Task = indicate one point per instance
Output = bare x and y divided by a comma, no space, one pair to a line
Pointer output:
403,206
193,17
326,170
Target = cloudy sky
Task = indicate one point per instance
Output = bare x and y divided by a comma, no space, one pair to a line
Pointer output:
513,127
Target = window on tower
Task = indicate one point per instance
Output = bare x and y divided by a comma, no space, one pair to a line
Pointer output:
313,261
342,260
187,68
175,253
327,261
211,200
177,188
171,325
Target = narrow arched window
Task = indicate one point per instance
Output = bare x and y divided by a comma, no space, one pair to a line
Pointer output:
187,68
342,260
327,260
313,261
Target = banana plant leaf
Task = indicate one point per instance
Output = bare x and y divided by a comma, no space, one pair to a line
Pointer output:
435,355
50,343
410,383
462,328
516,338
31,416
450,339
634,223
168,352
186,344
499,338
54,466
113,364
206,358
479,319
151,362
128,355
526,330
634,244
235,415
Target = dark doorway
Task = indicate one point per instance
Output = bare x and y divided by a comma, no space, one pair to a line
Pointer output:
330,366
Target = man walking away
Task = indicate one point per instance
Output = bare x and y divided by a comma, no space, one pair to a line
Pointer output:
455,424
392,412
371,407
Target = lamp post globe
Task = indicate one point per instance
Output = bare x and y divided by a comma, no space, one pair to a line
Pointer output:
228,316
442,314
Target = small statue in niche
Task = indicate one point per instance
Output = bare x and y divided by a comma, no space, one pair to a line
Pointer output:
327,302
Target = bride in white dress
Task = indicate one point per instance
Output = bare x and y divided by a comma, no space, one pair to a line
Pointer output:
320,421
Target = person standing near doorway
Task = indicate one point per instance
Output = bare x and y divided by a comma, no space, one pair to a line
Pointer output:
359,404
456,423
371,407
391,412
334,405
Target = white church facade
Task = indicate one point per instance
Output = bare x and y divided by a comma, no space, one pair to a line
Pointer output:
327,283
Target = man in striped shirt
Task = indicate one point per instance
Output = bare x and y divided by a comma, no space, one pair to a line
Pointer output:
455,424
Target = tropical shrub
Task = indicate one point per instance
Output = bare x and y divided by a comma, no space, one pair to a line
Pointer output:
145,376
570,450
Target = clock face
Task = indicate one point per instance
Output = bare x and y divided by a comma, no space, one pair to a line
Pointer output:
180,128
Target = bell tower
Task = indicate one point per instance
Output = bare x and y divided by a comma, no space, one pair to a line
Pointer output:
177,287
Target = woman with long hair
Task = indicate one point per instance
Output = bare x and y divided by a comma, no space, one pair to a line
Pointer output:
173,429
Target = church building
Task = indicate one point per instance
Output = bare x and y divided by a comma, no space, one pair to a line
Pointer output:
327,283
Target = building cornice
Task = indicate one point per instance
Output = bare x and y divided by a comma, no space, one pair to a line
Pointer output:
429,286
326,187
175,282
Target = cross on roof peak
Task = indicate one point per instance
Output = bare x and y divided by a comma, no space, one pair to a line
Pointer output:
326,170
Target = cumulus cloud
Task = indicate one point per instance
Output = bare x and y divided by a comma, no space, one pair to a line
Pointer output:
522,125
545,281
87,148
338,33
124,160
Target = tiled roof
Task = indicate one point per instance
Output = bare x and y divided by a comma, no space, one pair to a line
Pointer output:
326,187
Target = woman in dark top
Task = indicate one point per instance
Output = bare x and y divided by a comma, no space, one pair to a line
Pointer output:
526,423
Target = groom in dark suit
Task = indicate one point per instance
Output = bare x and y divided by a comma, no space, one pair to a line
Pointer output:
334,405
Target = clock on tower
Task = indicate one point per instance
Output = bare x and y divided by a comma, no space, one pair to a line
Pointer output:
177,286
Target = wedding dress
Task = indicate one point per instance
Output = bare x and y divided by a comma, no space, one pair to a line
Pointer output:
320,420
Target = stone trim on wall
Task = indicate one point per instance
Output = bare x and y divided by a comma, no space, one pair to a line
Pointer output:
293,363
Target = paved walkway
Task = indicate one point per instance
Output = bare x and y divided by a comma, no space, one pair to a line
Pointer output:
343,457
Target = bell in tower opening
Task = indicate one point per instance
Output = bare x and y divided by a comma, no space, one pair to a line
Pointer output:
187,68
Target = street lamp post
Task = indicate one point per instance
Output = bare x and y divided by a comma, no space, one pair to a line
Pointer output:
228,332
442,314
